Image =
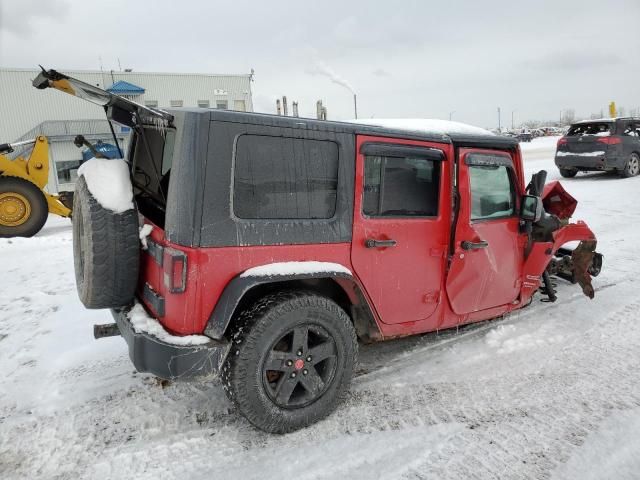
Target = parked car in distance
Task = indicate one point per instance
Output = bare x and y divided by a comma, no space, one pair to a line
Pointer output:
611,144
524,135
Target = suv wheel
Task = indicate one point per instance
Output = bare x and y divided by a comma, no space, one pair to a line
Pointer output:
291,362
632,168
568,172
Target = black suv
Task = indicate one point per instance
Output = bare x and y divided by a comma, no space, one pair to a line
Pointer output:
611,145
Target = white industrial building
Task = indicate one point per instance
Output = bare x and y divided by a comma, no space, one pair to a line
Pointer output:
26,112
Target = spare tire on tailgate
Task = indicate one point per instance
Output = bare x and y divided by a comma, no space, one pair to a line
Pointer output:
106,251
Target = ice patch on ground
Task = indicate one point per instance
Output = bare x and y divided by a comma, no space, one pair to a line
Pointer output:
295,268
109,182
143,323
424,125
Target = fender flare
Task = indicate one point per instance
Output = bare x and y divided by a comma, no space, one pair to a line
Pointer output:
236,289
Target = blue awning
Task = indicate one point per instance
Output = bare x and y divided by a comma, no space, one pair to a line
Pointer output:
125,88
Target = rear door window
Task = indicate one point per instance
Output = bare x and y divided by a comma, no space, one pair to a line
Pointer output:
632,129
400,187
285,178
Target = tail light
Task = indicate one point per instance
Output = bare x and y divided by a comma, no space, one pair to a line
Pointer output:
175,270
610,140
562,141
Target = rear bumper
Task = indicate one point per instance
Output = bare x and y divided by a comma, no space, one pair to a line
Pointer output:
595,163
168,361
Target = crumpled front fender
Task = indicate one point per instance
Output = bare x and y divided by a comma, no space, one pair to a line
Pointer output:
542,253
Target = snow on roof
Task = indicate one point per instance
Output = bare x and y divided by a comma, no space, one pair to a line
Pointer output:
424,125
596,120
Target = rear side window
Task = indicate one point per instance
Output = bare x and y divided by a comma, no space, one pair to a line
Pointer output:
492,192
632,130
285,178
400,186
601,129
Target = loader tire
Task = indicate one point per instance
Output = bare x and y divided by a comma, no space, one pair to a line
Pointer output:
23,208
106,251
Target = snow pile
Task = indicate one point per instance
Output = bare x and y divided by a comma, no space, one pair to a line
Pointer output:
143,323
108,181
295,268
424,125
145,231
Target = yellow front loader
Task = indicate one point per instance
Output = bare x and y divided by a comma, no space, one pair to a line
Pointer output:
24,205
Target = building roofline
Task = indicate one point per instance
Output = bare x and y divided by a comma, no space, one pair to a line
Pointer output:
120,72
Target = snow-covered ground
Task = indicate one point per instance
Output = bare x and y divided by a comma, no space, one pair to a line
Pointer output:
550,392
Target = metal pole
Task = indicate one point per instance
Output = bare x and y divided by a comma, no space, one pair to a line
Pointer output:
512,122
499,125
285,109
355,106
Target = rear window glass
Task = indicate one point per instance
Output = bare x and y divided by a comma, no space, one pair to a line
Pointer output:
285,178
601,129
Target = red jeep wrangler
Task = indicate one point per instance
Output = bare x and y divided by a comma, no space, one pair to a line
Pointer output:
278,242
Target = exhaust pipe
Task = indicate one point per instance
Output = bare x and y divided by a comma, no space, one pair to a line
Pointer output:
106,330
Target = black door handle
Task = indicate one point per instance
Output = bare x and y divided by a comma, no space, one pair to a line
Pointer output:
371,243
467,245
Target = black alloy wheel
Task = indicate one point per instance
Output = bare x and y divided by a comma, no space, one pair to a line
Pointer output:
300,366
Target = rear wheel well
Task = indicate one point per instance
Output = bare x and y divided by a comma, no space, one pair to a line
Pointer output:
353,303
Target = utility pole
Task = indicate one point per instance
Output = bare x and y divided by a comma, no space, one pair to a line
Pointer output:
513,125
355,106
499,124
451,114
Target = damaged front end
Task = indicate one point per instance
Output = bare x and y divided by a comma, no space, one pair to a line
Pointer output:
548,253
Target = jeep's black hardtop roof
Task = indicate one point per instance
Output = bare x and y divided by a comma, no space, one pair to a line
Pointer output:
458,139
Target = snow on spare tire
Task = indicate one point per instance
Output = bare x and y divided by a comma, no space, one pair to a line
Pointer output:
105,234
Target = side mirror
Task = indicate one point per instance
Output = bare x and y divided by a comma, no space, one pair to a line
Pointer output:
531,208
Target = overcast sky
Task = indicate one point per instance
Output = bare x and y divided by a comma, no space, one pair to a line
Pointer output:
403,58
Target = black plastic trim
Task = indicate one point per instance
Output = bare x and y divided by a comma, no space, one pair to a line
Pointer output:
156,251
239,286
154,299
171,362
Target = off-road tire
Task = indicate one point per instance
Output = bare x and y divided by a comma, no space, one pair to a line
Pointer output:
253,334
106,251
632,167
37,204
568,172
